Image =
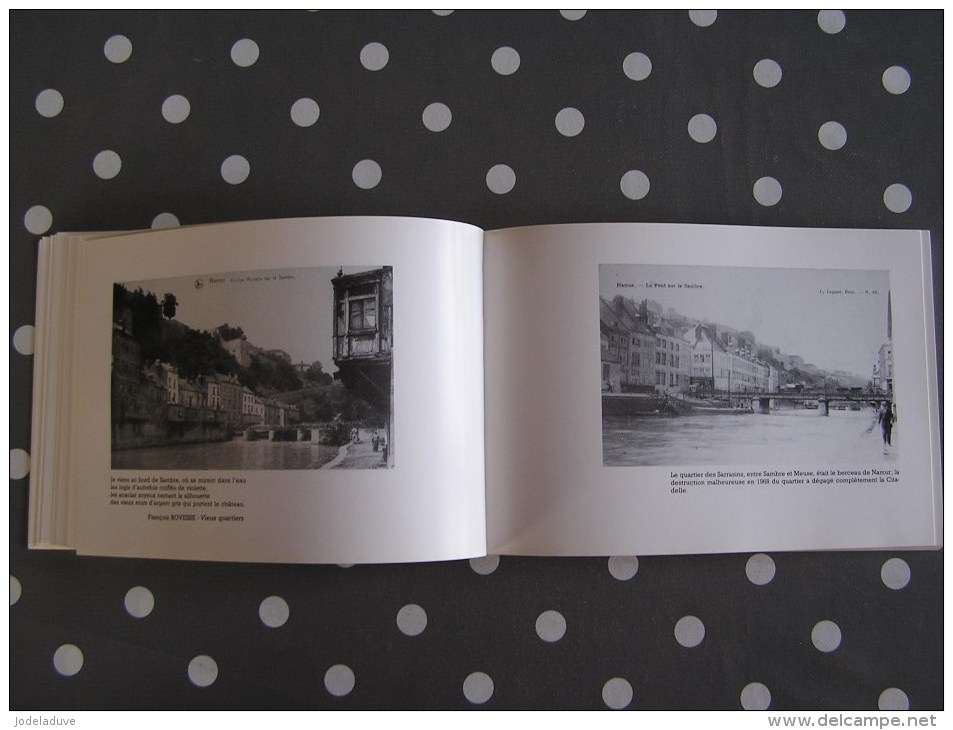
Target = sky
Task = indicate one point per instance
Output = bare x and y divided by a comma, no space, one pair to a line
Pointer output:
835,319
286,309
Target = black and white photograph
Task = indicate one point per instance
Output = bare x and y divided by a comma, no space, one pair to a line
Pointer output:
726,365
272,369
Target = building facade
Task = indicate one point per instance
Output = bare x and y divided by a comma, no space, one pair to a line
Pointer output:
884,369
363,343
729,369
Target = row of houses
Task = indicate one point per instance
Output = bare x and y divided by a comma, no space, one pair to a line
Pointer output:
157,394
642,352
224,394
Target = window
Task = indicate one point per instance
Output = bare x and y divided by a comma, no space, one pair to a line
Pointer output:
363,314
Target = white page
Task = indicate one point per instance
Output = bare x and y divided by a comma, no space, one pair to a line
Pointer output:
555,487
427,505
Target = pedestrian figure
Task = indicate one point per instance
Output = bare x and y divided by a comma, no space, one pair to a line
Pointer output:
383,444
354,435
375,441
886,419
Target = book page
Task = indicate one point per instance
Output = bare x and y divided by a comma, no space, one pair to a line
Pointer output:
691,389
281,391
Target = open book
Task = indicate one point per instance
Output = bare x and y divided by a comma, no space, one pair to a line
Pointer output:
366,389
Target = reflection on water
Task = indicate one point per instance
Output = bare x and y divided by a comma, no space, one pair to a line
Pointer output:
234,454
782,437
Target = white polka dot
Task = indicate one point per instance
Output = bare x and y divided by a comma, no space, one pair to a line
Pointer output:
573,14
635,185
442,13
23,339
500,179
305,112
411,620
339,680
274,612
437,117
19,463
893,700
826,636
68,660
569,121
245,52
767,73
895,574
16,590
550,626
139,602
832,135
767,191
898,198
176,109
505,60
623,567
107,164
485,565
165,220
760,569
374,56
366,174
896,79
755,696
689,631
702,128
118,49
478,688
637,66
38,219
235,169
617,693
703,18
49,103
831,21
203,671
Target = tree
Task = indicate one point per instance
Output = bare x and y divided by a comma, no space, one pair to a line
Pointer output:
227,332
316,374
169,303
266,373
142,310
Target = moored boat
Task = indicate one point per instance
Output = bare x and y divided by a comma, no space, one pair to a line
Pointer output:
632,404
688,406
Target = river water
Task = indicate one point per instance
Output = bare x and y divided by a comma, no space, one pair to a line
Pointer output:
234,454
791,437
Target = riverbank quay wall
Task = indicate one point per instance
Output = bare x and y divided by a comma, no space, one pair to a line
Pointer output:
170,424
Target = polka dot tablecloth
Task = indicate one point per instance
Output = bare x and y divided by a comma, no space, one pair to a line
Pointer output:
122,120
